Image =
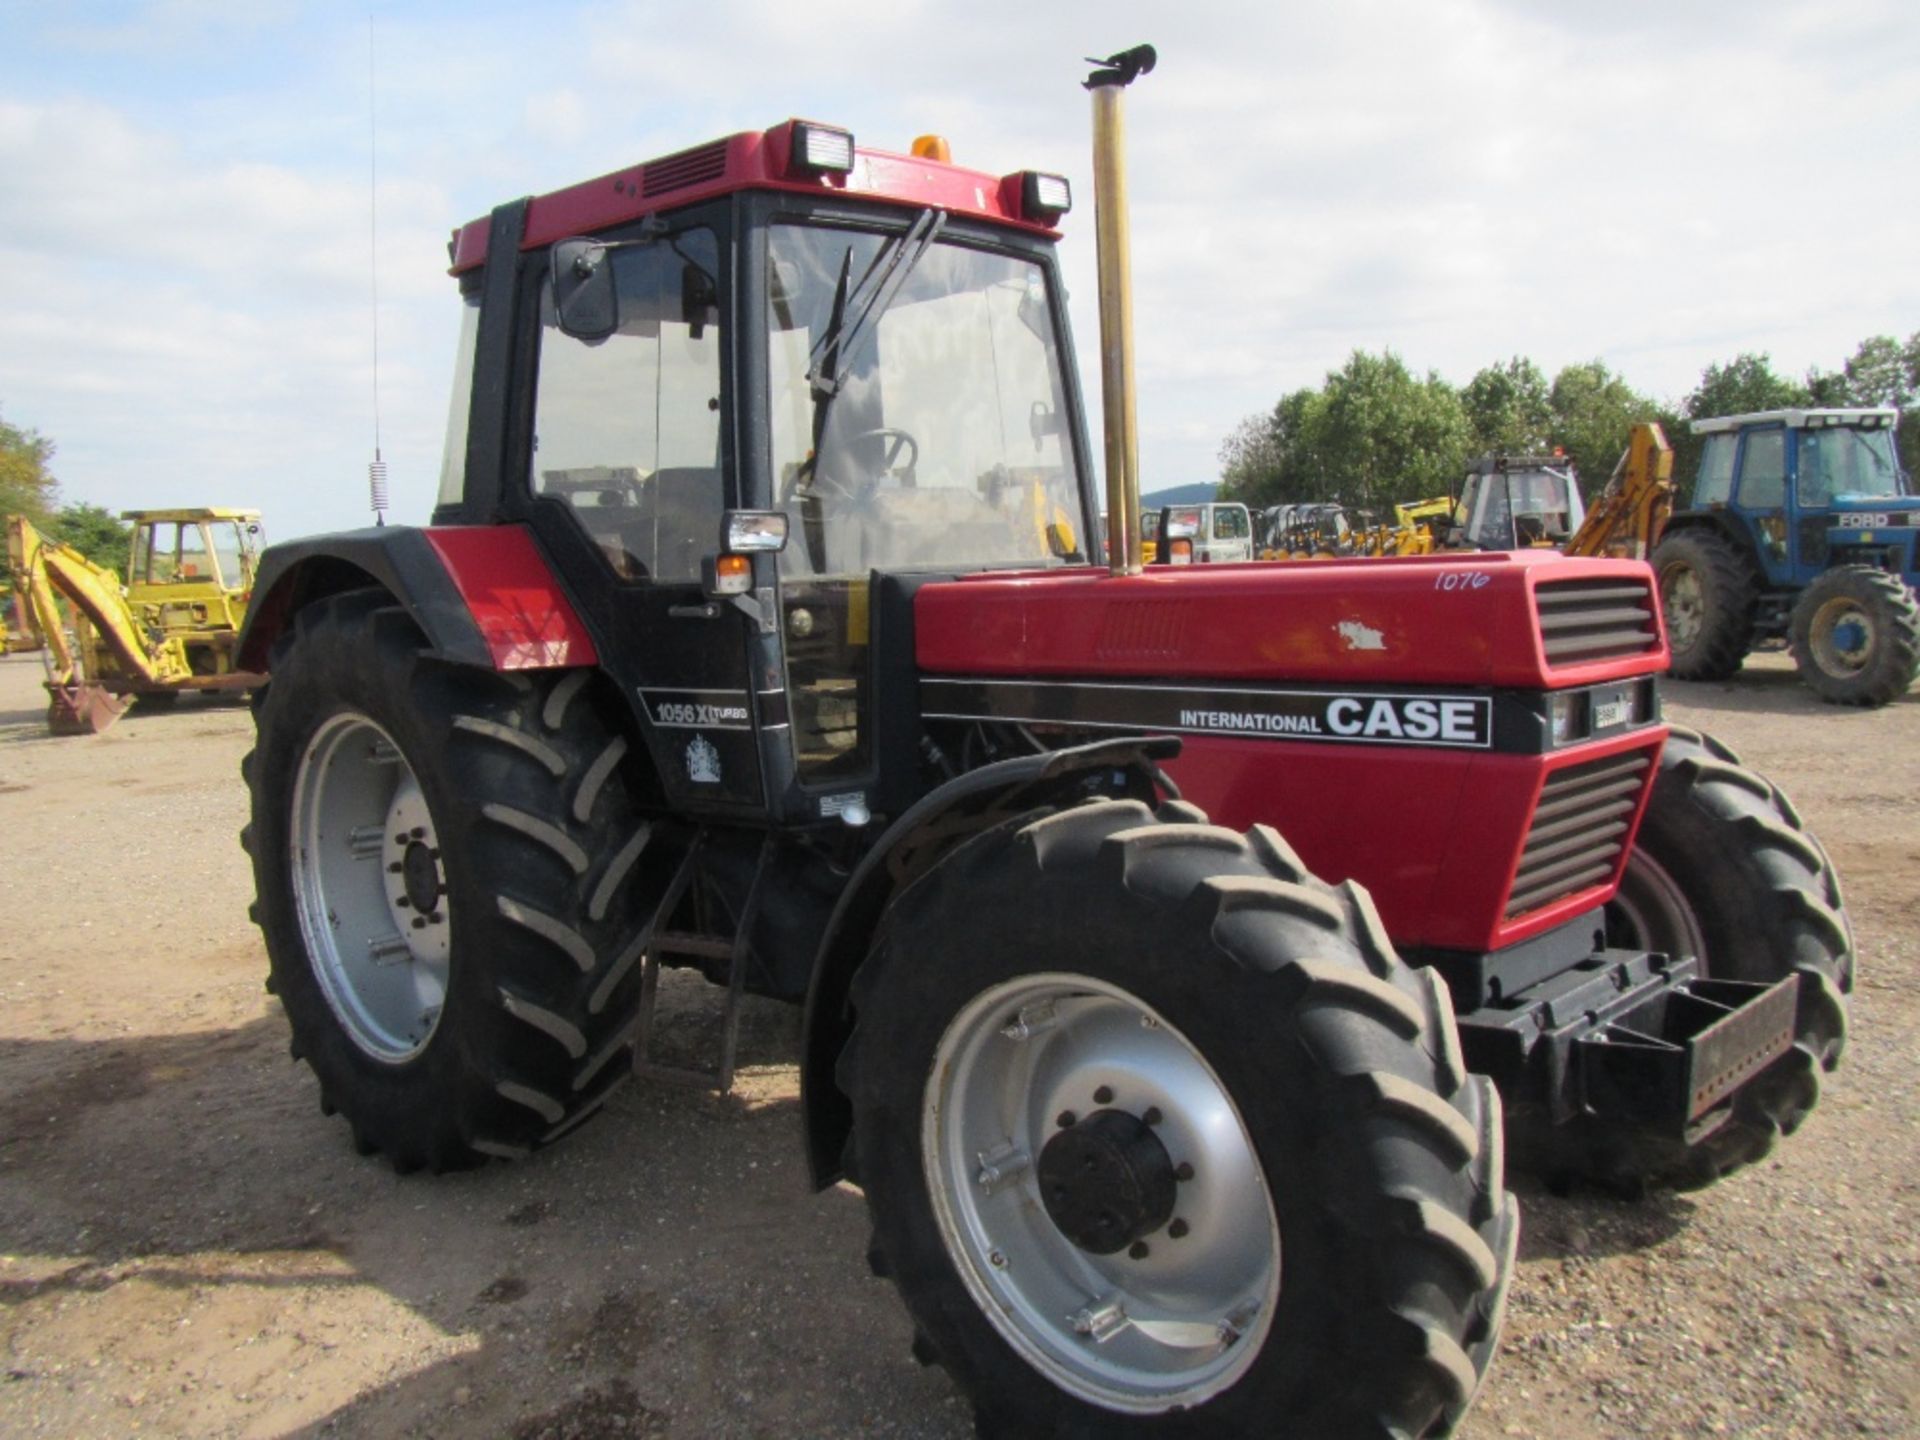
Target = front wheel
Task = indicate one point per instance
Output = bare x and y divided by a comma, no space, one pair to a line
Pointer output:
1724,871
1159,1136
1855,636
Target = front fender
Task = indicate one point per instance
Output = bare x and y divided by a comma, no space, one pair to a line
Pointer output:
912,845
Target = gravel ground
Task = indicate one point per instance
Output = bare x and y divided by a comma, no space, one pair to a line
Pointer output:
188,1248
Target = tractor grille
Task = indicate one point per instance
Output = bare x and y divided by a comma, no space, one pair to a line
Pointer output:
1586,620
1578,830
689,167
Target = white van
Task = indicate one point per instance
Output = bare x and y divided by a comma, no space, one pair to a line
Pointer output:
1221,533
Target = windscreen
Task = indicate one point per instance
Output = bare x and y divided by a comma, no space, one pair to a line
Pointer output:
1845,461
938,438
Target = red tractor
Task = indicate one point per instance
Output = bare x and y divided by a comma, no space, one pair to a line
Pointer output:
759,629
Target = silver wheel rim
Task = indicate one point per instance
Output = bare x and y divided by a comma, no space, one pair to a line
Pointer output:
1127,1332
1650,912
1686,610
366,864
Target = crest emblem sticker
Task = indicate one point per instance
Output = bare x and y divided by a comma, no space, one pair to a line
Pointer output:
703,762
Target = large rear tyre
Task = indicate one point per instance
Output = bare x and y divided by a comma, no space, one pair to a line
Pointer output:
452,882
1724,870
1160,1137
1707,595
1855,636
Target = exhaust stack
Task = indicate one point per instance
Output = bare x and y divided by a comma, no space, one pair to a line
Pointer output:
1106,83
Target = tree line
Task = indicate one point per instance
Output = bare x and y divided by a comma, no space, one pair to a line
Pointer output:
1376,433
28,487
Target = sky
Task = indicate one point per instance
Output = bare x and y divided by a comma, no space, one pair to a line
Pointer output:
188,264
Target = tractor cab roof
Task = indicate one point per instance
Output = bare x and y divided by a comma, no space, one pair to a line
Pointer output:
1801,419
775,159
187,515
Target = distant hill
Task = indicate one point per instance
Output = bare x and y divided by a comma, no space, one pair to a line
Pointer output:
1196,494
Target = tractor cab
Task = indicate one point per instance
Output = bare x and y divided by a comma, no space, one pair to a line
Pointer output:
849,362
1519,502
190,576
1812,489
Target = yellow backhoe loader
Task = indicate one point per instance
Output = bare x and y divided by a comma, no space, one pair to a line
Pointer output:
171,629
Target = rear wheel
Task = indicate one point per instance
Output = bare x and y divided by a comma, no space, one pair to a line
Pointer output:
452,882
1165,1139
1722,870
1707,594
1856,636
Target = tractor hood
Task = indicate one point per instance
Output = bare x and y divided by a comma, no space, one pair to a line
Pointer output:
1526,621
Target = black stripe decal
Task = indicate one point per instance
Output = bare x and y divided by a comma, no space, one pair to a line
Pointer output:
1436,719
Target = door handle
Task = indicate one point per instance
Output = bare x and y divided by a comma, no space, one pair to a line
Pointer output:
708,611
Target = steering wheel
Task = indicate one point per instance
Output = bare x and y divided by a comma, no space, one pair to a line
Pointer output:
895,442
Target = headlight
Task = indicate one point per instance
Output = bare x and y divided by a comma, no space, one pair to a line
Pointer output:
821,149
1567,716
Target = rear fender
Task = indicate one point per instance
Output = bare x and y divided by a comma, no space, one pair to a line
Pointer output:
912,845
483,595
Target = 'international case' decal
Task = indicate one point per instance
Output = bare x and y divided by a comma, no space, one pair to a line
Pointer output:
1356,717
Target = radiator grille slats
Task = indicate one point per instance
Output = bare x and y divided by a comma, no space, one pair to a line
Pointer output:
1578,829
1586,620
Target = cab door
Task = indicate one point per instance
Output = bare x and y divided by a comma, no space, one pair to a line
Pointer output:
1762,492
630,468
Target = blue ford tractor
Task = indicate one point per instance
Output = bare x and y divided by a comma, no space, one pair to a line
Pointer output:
1803,527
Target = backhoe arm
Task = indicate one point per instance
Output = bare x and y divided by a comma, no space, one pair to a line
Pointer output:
46,566
1627,518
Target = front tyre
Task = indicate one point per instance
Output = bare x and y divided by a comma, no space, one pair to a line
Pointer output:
451,877
1855,636
1160,1137
1722,870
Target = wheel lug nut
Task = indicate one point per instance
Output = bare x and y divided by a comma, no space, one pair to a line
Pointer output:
1065,1119
1153,1115
1103,1096
419,922
1137,1251
1183,1171
1177,1229
403,902
394,868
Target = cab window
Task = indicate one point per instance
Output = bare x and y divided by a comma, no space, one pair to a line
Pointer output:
1229,523
627,429
1715,485
1763,470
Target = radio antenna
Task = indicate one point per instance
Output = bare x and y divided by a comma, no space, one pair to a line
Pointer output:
377,471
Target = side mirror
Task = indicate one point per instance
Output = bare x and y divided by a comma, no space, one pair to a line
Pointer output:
1042,421
586,304
697,298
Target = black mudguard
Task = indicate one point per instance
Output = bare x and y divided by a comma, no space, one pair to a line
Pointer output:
1128,766
399,558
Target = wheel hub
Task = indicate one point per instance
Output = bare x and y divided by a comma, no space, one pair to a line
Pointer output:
1107,1181
1065,1121
420,876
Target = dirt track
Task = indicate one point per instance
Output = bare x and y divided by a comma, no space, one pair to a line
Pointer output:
188,1248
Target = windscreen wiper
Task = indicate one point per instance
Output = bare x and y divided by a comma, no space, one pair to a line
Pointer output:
855,310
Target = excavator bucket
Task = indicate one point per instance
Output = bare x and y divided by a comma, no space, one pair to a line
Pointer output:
83,708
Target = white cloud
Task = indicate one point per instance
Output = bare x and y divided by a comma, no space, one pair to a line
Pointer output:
184,261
